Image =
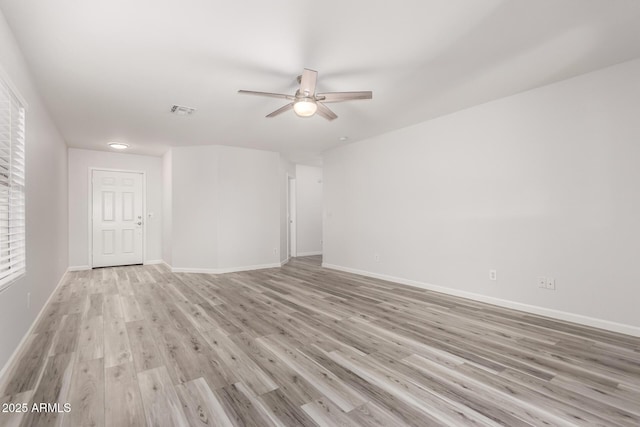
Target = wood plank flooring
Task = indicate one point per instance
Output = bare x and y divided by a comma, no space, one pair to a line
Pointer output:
305,346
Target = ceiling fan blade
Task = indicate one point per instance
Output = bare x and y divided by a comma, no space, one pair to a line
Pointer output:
344,96
281,110
308,82
269,94
324,111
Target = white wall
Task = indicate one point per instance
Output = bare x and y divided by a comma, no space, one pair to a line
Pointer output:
195,207
167,213
309,210
46,205
249,208
543,183
79,163
225,208
287,169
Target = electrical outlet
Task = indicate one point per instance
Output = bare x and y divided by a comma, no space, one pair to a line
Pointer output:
551,283
376,257
542,282
493,275
28,300
275,251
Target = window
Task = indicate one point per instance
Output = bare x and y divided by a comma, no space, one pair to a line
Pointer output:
12,180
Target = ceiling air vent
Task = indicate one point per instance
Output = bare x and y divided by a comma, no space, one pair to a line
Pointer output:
181,110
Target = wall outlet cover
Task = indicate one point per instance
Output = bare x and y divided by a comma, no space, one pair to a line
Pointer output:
551,283
542,282
493,275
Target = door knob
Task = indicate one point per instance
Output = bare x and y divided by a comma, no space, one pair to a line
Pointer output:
139,222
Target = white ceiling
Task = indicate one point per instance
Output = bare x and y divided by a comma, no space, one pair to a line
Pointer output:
110,70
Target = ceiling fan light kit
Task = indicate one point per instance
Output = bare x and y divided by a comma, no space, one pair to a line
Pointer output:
306,102
305,107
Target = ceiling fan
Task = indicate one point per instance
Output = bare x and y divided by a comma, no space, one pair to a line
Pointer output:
306,102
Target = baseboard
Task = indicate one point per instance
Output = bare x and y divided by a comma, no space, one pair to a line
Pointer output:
285,261
86,267
248,268
223,270
16,352
533,309
78,268
308,253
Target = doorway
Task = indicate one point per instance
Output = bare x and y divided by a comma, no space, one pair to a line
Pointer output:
117,218
291,217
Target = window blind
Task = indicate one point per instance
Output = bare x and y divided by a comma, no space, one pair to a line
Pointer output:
12,186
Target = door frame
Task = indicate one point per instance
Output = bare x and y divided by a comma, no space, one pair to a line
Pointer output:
90,209
292,235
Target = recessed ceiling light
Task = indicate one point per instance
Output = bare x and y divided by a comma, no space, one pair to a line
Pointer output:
118,145
343,138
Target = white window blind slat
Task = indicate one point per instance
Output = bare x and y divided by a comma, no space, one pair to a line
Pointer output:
12,186
10,260
12,268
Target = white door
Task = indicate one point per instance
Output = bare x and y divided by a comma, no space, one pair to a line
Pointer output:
117,218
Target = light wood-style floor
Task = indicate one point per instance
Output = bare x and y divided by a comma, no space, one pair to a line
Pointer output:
304,346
